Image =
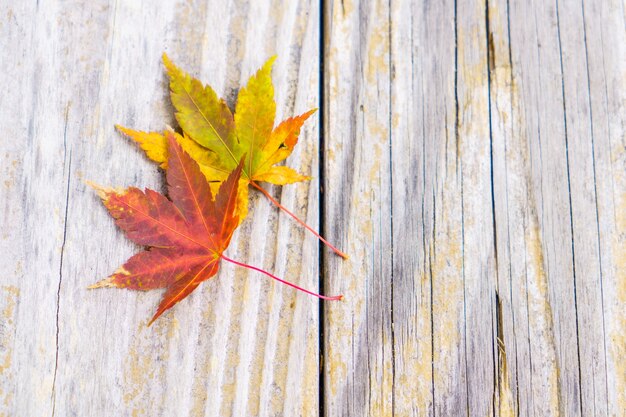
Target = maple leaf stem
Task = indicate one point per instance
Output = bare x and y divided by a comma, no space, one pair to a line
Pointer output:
254,268
306,226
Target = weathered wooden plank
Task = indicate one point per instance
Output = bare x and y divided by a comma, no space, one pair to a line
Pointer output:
529,344
475,139
422,95
452,135
504,238
586,257
358,335
513,211
428,305
238,346
605,49
533,370
555,350
435,280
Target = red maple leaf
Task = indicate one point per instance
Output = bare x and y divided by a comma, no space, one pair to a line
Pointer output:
186,237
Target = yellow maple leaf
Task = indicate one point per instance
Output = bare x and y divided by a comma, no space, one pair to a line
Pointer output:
217,140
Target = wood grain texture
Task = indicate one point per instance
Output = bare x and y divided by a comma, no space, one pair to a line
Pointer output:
240,345
358,352
472,161
506,287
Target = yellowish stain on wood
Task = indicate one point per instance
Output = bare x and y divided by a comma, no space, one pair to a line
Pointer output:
9,297
617,336
501,74
504,396
447,267
445,257
413,386
540,317
310,382
337,369
146,361
377,63
10,173
347,7
381,388
505,92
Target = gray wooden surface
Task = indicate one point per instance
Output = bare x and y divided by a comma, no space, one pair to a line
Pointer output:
469,156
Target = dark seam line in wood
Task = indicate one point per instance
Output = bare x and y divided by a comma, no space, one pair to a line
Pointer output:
595,195
499,353
490,67
321,211
501,340
569,196
393,335
496,372
495,353
368,297
456,85
459,172
380,260
495,330
67,200
424,246
506,189
432,258
494,357
367,336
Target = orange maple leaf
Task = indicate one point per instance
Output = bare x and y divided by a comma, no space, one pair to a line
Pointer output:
186,236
